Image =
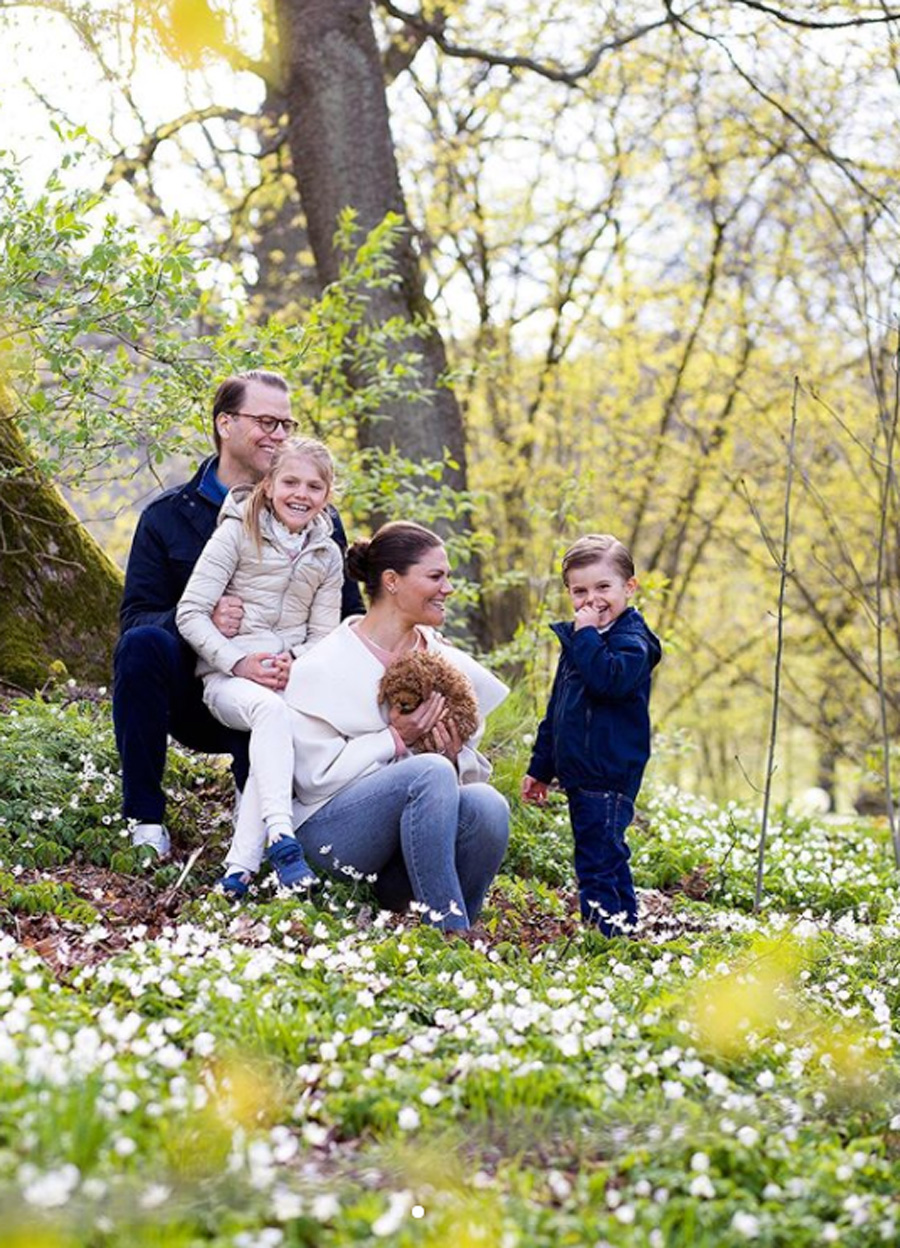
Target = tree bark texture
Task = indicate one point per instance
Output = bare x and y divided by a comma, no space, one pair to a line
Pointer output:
286,273
59,593
343,155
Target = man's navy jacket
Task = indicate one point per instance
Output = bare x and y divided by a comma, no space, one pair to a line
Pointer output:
170,535
596,733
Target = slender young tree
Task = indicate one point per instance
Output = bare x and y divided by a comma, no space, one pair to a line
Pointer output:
782,557
888,495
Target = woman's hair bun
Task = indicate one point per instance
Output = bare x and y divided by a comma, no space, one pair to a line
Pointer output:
357,559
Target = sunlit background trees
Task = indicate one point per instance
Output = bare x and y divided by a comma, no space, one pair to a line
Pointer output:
628,228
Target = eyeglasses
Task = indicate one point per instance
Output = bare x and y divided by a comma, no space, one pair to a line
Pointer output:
269,424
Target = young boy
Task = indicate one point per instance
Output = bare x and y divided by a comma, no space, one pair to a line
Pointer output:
595,736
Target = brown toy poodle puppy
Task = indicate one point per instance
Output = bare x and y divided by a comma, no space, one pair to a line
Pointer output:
410,680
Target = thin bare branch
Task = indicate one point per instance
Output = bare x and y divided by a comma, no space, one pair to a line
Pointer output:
555,73
840,162
125,168
405,45
808,23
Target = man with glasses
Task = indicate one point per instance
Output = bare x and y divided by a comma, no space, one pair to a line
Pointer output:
155,691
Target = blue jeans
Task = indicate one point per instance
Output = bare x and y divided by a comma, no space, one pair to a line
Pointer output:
605,886
155,695
426,837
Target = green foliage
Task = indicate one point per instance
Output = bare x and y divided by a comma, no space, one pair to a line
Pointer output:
319,1070
60,786
111,351
44,897
625,361
96,282
833,866
74,278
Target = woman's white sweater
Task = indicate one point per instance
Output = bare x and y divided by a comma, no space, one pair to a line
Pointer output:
341,730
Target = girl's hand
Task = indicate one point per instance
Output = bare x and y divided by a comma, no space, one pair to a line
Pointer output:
417,723
282,667
534,791
444,739
228,614
266,669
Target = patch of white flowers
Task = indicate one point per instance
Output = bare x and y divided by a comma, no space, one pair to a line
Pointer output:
286,1039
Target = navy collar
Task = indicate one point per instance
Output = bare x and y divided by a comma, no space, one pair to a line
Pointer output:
210,487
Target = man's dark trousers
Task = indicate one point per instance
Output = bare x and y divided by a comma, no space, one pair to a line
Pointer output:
157,696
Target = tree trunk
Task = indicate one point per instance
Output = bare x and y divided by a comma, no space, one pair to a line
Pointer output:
59,593
343,155
286,278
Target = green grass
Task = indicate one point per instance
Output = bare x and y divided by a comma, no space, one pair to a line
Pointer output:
315,1074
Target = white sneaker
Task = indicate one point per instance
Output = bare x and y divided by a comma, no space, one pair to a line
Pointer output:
154,835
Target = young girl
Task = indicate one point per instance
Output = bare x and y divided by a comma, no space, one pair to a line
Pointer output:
274,551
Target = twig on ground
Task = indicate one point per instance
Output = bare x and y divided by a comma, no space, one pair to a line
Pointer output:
169,896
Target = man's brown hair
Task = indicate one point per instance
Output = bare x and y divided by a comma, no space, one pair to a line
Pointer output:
230,395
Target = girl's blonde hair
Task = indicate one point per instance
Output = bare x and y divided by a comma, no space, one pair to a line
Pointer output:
290,448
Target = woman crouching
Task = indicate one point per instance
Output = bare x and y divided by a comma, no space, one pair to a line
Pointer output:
426,825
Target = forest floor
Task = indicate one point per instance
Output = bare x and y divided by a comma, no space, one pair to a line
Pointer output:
177,1070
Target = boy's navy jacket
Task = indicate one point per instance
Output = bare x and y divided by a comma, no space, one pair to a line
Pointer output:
170,535
596,733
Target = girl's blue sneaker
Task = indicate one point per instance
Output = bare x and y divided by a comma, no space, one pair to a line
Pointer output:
291,867
235,885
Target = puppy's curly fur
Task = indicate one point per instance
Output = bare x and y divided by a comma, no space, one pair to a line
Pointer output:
411,679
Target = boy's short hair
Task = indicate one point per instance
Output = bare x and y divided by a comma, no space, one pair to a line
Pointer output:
594,546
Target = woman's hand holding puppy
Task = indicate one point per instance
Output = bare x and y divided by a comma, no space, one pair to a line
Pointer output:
414,725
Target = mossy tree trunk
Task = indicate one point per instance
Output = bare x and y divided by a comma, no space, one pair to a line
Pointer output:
59,593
